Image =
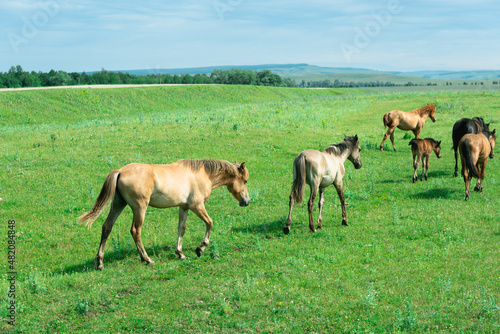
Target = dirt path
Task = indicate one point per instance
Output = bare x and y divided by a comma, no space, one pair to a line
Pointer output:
85,87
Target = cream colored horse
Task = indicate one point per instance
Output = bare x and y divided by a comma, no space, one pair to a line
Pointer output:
413,120
186,184
320,170
475,149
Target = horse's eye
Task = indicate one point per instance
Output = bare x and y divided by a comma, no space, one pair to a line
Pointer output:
245,181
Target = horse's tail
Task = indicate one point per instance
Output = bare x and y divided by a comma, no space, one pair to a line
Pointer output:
107,192
467,158
299,181
386,119
413,143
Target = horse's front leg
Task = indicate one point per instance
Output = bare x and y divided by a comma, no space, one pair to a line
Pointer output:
338,187
201,212
181,230
320,207
425,167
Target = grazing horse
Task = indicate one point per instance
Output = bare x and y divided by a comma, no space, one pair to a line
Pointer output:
413,120
475,149
186,184
421,150
319,170
464,126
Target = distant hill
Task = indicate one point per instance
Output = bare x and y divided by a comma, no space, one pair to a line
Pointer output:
302,71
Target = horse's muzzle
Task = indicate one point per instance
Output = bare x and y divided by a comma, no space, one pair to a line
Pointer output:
245,201
358,165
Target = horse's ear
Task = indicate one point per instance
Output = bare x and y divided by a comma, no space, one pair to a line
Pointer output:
356,137
242,167
494,131
439,142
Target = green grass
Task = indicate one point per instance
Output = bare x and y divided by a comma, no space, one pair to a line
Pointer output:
415,258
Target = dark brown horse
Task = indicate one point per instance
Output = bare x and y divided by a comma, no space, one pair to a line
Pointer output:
320,170
464,126
421,150
406,121
475,149
186,184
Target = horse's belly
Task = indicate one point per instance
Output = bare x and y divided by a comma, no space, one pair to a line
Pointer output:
326,181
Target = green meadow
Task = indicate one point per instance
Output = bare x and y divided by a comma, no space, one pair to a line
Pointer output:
416,258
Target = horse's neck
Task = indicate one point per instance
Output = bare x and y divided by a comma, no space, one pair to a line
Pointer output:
341,156
220,180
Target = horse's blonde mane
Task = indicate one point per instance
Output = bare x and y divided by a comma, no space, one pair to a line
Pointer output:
425,110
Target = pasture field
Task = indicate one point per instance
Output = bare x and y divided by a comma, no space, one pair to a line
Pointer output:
415,258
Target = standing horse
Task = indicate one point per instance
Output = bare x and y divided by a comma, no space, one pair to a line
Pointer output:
186,184
474,152
413,120
421,150
319,170
464,126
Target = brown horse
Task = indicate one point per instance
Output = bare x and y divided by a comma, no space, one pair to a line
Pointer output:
186,184
461,128
406,121
475,149
319,170
421,150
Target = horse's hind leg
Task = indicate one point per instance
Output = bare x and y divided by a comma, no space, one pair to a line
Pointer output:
181,230
116,209
310,206
135,230
392,141
288,223
479,184
387,134
320,207
425,165
456,163
201,212
416,159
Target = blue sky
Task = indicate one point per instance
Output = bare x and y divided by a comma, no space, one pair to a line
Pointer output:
394,35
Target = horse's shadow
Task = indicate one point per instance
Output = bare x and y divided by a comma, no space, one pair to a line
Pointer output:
263,228
113,256
445,193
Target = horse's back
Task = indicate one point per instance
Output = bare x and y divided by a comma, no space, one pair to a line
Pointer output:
160,185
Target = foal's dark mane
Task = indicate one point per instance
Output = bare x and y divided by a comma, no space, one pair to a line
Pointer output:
340,148
488,134
432,140
212,167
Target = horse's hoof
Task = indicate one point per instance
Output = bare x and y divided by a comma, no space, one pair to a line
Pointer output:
150,263
286,229
199,251
180,255
320,227
313,230
100,267
344,223
381,148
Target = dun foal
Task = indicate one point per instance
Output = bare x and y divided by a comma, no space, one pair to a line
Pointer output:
475,149
186,184
320,170
421,150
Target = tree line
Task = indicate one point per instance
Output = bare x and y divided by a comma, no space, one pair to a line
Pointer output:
16,77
